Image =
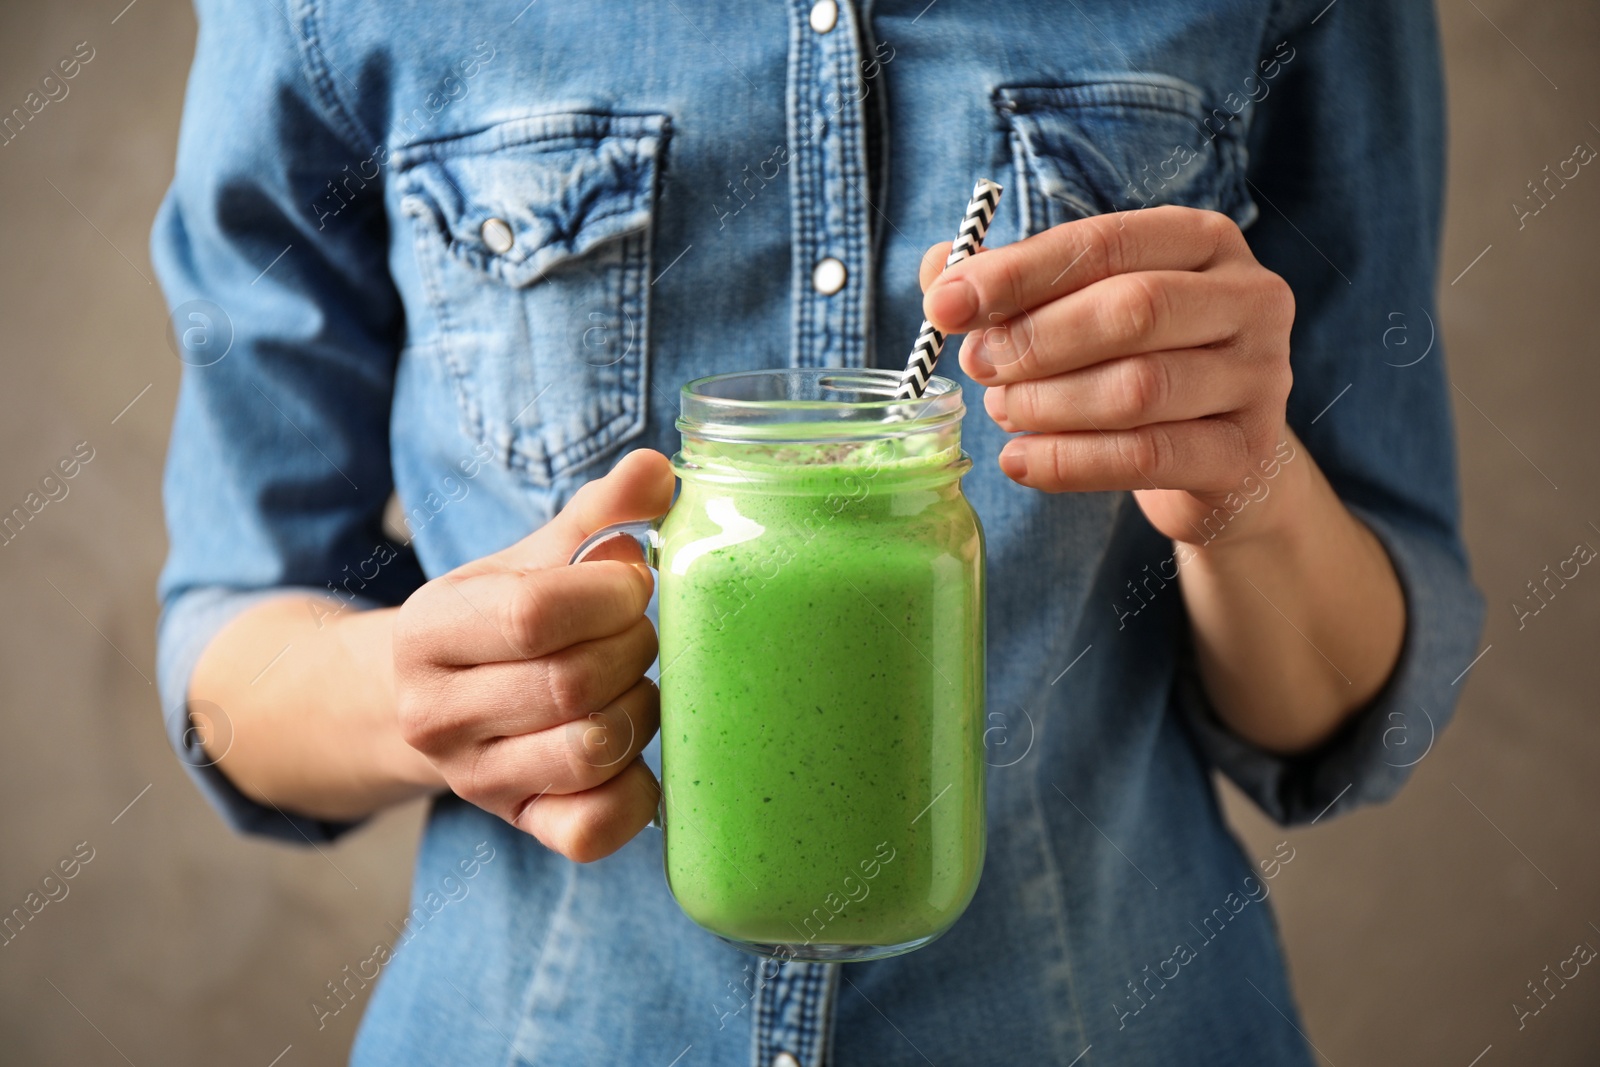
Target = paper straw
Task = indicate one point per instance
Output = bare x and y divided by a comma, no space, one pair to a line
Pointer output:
925,353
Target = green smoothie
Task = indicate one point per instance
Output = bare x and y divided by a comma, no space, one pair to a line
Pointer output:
822,655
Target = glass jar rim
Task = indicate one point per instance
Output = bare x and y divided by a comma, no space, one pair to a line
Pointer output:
813,404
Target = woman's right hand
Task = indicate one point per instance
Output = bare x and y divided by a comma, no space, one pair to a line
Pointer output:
521,678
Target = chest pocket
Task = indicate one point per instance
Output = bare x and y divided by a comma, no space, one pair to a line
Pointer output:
533,245
1115,145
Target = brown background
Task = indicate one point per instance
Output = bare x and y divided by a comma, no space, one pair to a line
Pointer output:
1411,929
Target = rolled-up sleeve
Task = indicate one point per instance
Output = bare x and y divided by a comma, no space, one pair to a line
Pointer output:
1347,156
290,329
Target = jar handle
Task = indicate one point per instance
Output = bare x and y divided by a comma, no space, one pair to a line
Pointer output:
646,533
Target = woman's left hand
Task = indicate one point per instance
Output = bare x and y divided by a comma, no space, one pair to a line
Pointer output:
1144,350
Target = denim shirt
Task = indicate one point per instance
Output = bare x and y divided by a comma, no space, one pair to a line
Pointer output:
466,254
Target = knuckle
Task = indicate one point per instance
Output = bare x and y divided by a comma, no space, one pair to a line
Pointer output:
578,768
583,837
1223,233
1241,443
598,742
1146,385
1061,463
412,632
418,725
1152,451
1281,298
525,615
569,682
1273,371
1011,279
1280,382
427,721
584,846
1106,251
1143,305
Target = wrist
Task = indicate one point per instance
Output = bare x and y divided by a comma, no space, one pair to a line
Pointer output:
411,768
1278,508
368,640
1298,618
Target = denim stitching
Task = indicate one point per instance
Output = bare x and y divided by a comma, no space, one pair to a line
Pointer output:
1019,103
616,417
316,64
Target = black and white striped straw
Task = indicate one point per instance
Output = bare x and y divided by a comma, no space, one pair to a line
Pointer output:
925,353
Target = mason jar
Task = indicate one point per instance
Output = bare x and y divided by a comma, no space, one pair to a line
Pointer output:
821,607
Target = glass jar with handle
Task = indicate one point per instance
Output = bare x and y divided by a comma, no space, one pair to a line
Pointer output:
822,663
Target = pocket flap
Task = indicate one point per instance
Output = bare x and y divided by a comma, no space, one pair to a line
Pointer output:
558,185
1113,145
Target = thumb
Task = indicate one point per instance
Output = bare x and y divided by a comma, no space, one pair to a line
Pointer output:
638,487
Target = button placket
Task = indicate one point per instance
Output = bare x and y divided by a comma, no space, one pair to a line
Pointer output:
793,1013
831,297
829,215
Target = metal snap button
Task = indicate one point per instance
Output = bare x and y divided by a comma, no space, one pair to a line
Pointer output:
784,1059
828,276
496,233
824,15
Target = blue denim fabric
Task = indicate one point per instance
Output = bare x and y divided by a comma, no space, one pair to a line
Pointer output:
668,175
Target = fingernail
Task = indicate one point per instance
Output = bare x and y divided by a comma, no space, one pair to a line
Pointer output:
954,302
1013,464
975,357
994,402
